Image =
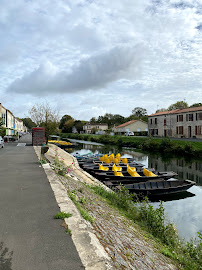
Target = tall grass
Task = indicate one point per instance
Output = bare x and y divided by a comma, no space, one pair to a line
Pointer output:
188,255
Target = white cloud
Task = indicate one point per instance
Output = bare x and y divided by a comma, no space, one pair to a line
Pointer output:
91,73
146,52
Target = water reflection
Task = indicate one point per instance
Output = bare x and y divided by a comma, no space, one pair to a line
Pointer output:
191,170
171,197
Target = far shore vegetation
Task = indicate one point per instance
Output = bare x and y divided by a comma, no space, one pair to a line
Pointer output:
148,144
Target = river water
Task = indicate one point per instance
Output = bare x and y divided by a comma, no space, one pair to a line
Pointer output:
185,209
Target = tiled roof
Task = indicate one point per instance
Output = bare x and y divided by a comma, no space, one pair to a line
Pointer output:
193,109
127,123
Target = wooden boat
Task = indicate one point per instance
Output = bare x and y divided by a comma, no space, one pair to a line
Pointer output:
62,144
138,177
94,167
105,159
159,187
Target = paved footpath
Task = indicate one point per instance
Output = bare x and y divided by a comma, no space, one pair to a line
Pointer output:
30,237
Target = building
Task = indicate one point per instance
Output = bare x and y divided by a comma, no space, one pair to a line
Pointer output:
135,126
92,128
12,124
180,123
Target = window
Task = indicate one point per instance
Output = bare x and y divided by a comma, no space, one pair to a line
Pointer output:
155,120
198,130
198,116
4,118
180,118
164,122
179,130
150,121
189,117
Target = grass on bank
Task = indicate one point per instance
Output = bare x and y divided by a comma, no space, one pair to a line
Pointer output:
62,215
165,145
82,211
188,255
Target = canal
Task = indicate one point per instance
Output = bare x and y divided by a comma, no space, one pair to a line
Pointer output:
184,210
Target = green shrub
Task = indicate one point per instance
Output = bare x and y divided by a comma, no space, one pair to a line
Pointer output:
188,149
154,220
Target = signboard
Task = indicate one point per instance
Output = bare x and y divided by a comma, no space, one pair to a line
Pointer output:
38,136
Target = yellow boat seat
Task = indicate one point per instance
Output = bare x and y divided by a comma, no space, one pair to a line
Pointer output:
148,173
112,155
102,168
102,158
132,172
111,158
131,168
107,161
116,168
118,173
125,160
118,156
116,161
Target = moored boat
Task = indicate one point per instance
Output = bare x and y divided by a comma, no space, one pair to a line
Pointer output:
139,176
158,187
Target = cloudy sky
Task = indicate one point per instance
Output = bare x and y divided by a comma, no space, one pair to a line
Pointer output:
91,57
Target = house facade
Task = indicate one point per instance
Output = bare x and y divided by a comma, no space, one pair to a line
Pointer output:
180,123
12,124
135,126
100,128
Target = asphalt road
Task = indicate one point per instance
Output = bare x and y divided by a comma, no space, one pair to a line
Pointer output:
30,237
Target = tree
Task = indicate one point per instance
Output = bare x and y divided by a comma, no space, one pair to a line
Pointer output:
64,119
161,110
67,128
79,125
139,112
44,116
196,105
28,123
178,105
93,120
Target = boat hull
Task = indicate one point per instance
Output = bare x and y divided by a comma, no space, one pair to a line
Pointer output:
103,176
159,187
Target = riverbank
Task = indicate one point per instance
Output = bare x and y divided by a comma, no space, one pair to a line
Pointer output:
149,144
126,243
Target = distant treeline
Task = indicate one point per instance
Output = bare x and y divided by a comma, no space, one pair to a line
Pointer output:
165,145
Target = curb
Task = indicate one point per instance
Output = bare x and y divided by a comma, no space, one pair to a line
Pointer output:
91,252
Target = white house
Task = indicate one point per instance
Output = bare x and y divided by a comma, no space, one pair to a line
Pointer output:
133,125
88,128
10,122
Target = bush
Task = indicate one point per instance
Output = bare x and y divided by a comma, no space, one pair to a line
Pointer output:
188,149
150,145
165,144
154,220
